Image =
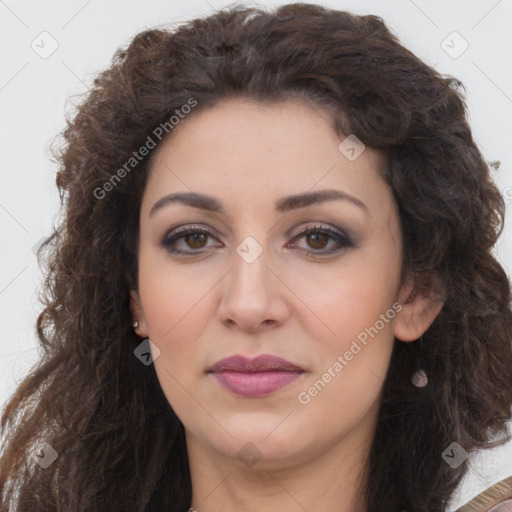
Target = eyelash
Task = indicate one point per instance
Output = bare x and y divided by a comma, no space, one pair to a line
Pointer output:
343,240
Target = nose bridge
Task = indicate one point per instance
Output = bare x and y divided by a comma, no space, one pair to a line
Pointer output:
250,273
250,295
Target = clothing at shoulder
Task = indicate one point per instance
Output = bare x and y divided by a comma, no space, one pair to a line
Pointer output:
497,498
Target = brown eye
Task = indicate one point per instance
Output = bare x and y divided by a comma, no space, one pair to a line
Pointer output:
318,237
317,240
192,241
195,240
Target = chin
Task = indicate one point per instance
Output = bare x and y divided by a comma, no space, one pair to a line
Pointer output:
263,441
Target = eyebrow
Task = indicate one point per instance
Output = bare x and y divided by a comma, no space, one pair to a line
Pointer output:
284,204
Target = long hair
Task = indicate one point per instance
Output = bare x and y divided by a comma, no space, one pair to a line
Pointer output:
119,444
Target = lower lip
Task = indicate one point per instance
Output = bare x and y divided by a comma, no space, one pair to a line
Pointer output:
255,384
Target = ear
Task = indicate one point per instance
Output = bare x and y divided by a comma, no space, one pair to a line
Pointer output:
137,314
420,307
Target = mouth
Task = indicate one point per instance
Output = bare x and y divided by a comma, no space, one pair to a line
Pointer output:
253,378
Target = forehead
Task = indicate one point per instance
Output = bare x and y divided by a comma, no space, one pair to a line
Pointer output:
245,150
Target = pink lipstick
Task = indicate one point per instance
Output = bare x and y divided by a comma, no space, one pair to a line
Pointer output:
256,377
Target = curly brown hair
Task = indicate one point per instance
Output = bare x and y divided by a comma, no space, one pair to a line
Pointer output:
120,445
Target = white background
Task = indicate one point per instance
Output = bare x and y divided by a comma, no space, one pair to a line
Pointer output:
33,94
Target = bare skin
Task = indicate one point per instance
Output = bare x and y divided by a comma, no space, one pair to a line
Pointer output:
276,452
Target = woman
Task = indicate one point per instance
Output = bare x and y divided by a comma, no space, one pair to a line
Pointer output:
273,286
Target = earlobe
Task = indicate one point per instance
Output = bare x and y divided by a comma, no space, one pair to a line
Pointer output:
417,314
137,313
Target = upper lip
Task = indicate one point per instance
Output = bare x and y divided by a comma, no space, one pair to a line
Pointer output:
262,363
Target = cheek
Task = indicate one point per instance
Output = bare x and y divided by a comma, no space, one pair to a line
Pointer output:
357,308
176,309
341,300
352,364
173,296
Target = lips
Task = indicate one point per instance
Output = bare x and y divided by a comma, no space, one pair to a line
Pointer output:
263,363
261,376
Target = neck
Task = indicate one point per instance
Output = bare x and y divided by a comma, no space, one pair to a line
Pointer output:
331,482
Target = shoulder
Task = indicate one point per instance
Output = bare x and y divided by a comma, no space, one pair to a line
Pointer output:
497,498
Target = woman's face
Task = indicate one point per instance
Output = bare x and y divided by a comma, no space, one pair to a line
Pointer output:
249,283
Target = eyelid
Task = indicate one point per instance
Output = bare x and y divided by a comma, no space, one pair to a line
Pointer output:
320,227
342,239
184,229
187,227
300,231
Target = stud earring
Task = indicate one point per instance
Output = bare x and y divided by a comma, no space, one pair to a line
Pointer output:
135,325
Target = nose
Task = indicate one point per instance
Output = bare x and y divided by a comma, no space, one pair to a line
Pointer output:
253,296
